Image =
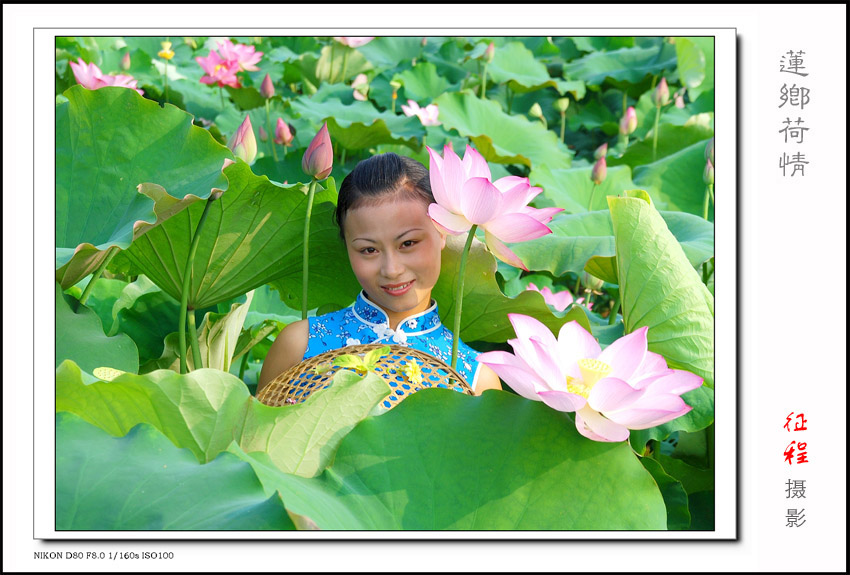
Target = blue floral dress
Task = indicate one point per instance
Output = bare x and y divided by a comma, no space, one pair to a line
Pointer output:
364,322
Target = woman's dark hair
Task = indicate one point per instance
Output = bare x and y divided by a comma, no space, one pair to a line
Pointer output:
379,176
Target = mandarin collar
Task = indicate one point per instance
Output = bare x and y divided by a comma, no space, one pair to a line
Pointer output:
368,312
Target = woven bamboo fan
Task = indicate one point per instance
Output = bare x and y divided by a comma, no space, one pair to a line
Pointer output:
297,383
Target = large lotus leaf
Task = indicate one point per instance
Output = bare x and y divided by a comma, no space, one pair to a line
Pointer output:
102,297
108,141
593,114
660,289
202,411
253,234
302,438
699,112
359,125
516,65
141,482
706,45
422,83
572,188
387,52
268,305
444,460
338,63
485,308
671,139
625,64
146,314
501,137
690,63
577,238
675,497
80,337
675,182
602,43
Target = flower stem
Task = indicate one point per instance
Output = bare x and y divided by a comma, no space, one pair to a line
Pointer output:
510,98
306,266
342,156
243,366
484,82
612,317
625,101
96,275
711,192
655,133
193,339
592,192
459,294
344,65
271,133
187,281
705,203
563,125
166,81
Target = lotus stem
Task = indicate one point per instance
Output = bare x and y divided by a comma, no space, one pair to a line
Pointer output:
705,274
331,72
271,132
459,294
342,156
655,133
705,203
193,339
711,192
484,82
625,101
242,366
592,192
187,281
510,98
306,266
96,275
344,65
612,317
166,81
563,126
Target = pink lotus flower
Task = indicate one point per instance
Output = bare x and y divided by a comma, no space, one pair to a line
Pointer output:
427,115
601,151
354,41
662,93
244,56
267,87
599,171
623,387
282,134
465,196
243,143
559,300
318,159
219,71
89,76
125,61
628,123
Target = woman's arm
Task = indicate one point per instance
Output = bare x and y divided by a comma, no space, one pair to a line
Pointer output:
286,351
487,379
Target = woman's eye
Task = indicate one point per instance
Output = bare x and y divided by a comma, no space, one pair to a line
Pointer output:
368,250
408,243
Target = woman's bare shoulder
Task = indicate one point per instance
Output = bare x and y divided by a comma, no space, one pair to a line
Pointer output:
286,350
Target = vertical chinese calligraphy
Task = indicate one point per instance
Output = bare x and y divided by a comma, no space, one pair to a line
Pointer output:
795,452
794,96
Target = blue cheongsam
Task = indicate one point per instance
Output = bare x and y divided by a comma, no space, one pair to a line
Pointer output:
364,322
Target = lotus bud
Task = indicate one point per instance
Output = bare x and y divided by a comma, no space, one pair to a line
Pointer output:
709,151
708,173
489,53
601,151
628,123
561,104
662,93
243,144
125,61
424,41
361,87
264,137
679,99
267,88
591,282
600,170
535,111
395,85
319,158
282,134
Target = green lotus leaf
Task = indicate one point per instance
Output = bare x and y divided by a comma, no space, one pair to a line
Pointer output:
500,137
602,43
591,115
674,495
80,337
387,52
423,84
302,438
660,289
705,44
444,460
141,482
577,238
485,307
516,65
108,141
604,268
690,63
359,125
675,182
699,113
572,188
253,235
626,64
102,297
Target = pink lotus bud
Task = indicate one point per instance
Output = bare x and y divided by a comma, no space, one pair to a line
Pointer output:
680,99
264,137
243,144
709,151
318,160
601,151
662,93
282,134
628,123
267,88
489,52
708,173
600,170
125,61
424,41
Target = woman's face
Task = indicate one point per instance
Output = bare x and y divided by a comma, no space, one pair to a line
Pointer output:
394,250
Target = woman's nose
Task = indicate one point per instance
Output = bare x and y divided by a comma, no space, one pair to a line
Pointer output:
391,266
